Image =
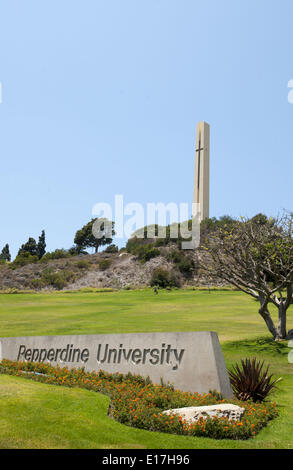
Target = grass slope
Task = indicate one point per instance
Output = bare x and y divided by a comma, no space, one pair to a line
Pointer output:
231,314
40,416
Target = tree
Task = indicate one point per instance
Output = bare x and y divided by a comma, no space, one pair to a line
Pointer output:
96,233
29,247
41,246
5,253
256,256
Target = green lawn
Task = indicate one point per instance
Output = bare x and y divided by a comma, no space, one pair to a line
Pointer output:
232,315
35,415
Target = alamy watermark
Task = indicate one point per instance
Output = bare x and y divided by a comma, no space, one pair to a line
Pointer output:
130,220
290,94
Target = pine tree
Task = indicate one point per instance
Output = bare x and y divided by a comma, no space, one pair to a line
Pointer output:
29,247
5,253
86,236
41,246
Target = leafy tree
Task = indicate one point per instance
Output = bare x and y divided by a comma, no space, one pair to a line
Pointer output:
256,256
209,226
5,253
96,233
29,247
41,246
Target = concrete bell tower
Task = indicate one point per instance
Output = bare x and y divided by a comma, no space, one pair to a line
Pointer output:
201,194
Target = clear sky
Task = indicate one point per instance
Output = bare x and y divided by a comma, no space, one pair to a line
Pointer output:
102,98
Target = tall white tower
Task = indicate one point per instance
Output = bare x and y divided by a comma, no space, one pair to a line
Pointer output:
201,194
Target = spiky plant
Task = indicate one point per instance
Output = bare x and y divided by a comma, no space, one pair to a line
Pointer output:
250,380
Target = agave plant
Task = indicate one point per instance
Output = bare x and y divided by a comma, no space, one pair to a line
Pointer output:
250,380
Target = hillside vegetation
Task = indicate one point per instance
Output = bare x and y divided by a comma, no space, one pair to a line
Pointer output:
116,270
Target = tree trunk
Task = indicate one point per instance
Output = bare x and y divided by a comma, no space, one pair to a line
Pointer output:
264,312
281,330
269,322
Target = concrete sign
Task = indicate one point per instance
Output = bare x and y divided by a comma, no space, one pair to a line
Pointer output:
190,361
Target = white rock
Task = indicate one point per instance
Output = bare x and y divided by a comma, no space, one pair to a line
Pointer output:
194,413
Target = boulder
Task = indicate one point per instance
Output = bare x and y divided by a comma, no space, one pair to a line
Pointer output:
194,413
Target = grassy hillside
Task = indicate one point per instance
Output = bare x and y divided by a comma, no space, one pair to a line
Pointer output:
36,415
231,314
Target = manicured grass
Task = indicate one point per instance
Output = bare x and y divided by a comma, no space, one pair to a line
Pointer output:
231,314
35,415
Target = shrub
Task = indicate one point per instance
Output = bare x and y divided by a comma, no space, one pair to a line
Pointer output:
82,264
57,254
162,241
142,249
133,243
250,382
147,252
58,279
77,250
137,402
23,259
104,264
162,278
111,249
37,283
95,289
14,290
182,262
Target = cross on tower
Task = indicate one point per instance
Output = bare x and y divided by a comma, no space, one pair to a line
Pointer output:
202,171
197,151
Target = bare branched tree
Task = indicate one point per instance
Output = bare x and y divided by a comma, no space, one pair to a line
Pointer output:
256,256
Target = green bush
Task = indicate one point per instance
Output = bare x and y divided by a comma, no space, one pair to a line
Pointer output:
104,264
37,283
134,243
14,290
146,252
182,262
162,241
95,289
82,264
23,259
162,278
111,249
58,279
57,254
137,402
143,250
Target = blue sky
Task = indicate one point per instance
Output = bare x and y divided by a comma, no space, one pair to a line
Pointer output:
102,98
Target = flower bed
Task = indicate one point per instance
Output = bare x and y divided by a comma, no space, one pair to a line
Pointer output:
136,401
